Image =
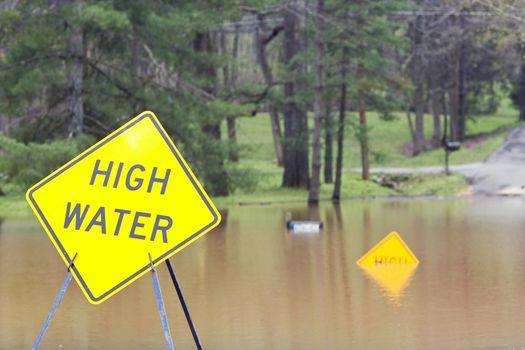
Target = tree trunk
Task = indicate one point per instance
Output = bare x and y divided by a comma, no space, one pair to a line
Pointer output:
260,49
235,54
457,87
462,93
521,93
231,121
295,122
454,99
336,194
276,133
436,113
315,184
417,72
462,102
363,127
229,79
233,154
411,126
328,143
363,137
419,104
443,101
74,81
213,170
3,124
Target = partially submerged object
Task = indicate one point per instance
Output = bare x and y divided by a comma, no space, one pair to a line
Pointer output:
304,226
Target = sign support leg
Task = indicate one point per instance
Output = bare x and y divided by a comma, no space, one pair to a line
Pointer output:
54,308
160,305
183,304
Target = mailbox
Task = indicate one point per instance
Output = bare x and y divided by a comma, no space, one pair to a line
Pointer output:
452,146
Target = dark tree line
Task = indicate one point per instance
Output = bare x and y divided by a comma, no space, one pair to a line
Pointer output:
83,67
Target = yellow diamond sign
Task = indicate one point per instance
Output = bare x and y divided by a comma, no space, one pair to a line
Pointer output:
391,263
130,194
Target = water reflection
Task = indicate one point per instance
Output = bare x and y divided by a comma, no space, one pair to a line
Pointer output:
393,279
252,285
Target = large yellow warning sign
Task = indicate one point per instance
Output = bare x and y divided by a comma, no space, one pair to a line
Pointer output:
130,194
391,263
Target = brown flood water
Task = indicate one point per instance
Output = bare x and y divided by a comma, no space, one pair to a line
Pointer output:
252,285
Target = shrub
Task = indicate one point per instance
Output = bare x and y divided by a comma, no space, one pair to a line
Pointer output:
24,164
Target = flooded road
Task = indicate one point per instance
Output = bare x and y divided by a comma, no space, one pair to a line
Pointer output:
252,285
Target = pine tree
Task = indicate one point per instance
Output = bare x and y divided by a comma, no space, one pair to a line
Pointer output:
87,66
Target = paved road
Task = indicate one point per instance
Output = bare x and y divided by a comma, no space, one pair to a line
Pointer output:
469,170
503,172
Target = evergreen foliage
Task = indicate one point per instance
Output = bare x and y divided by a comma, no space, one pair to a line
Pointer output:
135,56
25,164
71,69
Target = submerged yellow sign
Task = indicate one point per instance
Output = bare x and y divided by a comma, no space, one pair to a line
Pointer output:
130,194
391,250
391,263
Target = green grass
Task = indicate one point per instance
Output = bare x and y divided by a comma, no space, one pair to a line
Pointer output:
433,184
269,190
484,135
14,206
386,142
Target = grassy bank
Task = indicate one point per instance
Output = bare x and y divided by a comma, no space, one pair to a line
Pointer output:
387,138
269,191
14,205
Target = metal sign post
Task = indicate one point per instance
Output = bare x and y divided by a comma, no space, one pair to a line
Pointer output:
183,304
160,305
54,308
158,296
58,299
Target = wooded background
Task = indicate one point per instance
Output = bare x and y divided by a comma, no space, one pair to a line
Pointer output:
73,71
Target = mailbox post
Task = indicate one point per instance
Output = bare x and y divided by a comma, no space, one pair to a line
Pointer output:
448,146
